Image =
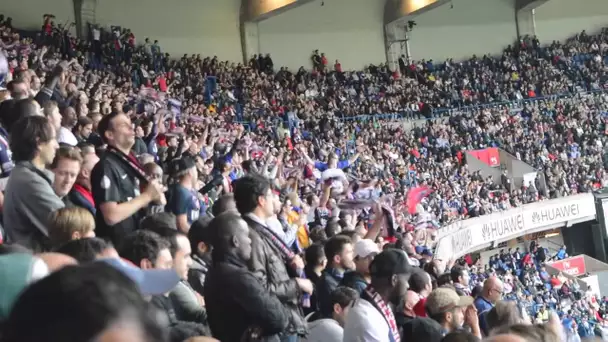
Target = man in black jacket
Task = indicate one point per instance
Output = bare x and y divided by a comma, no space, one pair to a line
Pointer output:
271,259
238,307
200,241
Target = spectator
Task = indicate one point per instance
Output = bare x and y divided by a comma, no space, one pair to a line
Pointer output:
452,311
68,122
371,318
253,197
535,332
460,336
182,198
330,328
460,280
239,306
420,283
29,193
224,203
68,224
88,249
491,293
200,239
339,254
147,250
116,181
503,314
80,195
422,329
364,251
315,264
66,167
95,293
83,129
17,271
51,111
188,304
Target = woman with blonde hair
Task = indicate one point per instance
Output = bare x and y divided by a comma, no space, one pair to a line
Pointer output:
71,223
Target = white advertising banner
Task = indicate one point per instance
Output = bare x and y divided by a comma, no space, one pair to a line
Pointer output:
469,235
594,283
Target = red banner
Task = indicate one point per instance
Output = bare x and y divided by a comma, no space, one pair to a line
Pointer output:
574,266
488,156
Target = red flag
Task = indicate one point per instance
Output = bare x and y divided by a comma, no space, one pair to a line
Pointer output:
414,196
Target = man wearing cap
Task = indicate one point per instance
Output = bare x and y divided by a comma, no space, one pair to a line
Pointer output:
182,198
452,311
365,251
371,318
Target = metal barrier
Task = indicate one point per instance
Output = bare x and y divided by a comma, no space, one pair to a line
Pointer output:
447,112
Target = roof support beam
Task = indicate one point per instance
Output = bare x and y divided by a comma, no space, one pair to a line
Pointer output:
258,10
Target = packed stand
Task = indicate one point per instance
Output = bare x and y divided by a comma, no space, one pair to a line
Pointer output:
134,199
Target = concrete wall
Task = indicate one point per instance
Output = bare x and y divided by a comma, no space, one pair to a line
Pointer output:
561,19
466,28
348,30
208,27
27,14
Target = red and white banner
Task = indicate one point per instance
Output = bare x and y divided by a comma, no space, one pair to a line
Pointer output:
574,266
488,156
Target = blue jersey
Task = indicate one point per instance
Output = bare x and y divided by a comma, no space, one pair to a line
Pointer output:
6,160
181,201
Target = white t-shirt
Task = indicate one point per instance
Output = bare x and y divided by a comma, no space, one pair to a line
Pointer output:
364,323
65,136
96,34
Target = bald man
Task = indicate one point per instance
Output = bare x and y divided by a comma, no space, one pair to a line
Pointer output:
490,294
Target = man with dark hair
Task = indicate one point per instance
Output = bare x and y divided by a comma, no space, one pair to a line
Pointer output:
420,282
116,182
339,254
270,256
238,306
200,244
29,191
83,129
19,109
371,318
146,250
68,122
88,249
330,328
460,280
365,250
187,303
98,294
224,203
18,89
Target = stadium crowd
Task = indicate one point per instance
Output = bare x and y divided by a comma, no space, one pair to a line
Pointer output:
146,198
